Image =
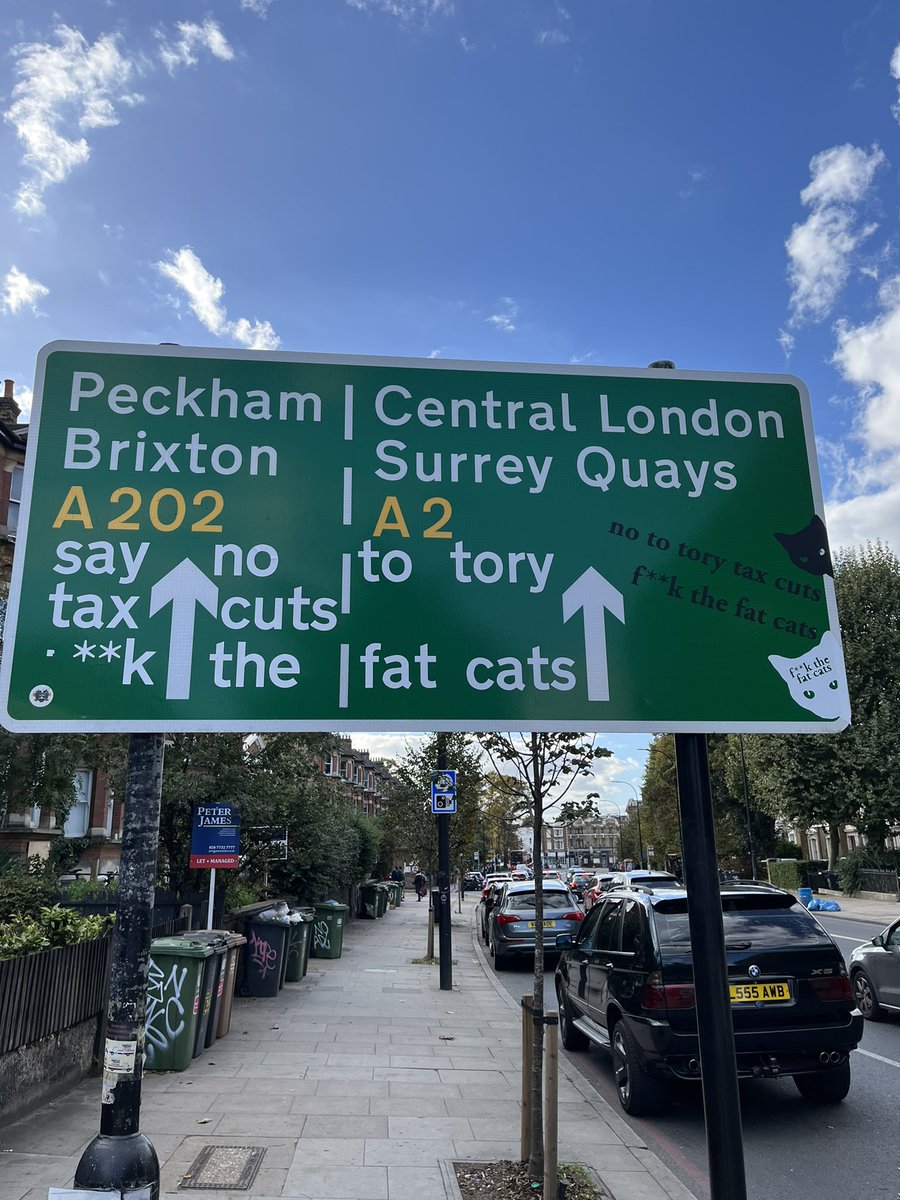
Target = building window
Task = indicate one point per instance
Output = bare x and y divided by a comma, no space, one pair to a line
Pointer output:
79,819
15,498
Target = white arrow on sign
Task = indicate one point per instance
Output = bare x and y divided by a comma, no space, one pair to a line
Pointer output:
184,587
594,595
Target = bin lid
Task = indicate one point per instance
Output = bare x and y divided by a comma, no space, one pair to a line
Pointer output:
207,937
180,947
333,906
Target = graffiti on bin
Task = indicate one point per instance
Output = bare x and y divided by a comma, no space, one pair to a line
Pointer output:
323,940
165,1009
323,933
262,954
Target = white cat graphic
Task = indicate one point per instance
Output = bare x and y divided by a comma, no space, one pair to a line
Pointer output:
813,679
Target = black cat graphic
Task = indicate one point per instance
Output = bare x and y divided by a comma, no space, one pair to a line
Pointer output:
808,548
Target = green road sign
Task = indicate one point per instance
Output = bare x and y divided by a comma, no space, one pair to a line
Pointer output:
241,540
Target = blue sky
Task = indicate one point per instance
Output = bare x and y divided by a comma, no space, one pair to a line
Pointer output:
596,181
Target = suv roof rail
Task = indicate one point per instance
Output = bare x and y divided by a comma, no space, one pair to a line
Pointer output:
762,884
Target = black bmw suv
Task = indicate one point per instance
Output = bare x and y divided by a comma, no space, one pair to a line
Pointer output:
626,983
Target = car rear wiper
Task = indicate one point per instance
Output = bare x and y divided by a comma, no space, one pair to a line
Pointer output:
738,945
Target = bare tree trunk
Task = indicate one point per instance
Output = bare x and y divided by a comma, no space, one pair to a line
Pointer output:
536,1161
834,846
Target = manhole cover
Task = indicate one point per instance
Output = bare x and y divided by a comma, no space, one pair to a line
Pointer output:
224,1167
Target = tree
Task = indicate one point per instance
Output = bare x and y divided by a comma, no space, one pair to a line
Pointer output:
848,777
544,768
277,784
409,821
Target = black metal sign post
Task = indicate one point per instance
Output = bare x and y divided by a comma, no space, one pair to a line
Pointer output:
721,1099
121,1158
443,828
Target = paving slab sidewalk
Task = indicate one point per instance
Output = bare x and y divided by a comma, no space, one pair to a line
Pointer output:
363,1082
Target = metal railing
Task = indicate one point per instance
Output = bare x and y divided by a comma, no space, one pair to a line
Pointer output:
879,881
52,990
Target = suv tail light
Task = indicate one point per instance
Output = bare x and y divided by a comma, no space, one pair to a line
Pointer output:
573,916
657,995
835,989
506,919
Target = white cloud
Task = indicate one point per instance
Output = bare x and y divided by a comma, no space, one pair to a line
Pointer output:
866,502
820,250
406,10
874,516
551,37
787,342
63,89
259,7
895,71
21,292
184,51
24,397
869,356
505,320
204,294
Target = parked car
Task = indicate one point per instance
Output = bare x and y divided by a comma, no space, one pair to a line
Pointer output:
643,878
489,898
503,876
597,887
473,881
578,881
626,984
875,974
512,921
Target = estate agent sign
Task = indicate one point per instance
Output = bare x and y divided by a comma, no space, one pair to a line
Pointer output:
244,540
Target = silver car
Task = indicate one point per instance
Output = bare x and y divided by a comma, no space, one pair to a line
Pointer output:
512,923
875,974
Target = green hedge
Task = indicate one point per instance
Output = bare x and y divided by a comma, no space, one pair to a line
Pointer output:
792,875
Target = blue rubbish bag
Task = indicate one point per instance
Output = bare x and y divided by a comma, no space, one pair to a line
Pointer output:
824,906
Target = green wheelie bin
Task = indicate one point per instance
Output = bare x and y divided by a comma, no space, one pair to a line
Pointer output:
298,947
213,985
174,990
328,929
382,890
370,902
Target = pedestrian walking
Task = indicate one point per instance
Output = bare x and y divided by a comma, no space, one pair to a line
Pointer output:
420,883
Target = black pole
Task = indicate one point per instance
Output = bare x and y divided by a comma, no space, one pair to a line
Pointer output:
721,1099
747,809
443,825
121,1158
637,809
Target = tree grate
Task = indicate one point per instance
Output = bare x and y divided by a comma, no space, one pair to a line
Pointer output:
223,1167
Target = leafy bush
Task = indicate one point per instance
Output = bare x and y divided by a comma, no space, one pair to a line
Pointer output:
53,926
864,858
91,889
24,895
239,893
785,849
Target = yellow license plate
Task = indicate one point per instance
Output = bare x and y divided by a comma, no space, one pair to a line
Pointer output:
765,993
547,924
